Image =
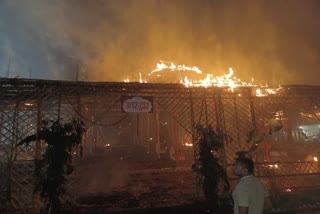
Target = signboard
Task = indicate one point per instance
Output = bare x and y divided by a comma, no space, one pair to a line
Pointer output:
137,104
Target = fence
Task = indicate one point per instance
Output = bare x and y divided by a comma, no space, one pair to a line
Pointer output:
166,133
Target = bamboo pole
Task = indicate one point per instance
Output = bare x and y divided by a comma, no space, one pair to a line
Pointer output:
36,193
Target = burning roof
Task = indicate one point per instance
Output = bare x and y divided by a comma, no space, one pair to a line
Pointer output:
192,76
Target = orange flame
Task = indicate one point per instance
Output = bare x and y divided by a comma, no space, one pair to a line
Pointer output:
219,81
228,80
162,66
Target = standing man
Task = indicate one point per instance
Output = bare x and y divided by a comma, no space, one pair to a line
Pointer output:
250,193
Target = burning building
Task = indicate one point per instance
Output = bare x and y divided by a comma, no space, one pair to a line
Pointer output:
143,126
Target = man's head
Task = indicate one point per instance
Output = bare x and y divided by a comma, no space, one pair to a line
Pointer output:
243,167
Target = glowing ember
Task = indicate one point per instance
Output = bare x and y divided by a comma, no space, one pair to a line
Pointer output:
188,144
273,166
28,104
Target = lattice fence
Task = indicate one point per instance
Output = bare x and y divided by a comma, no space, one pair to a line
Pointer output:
25,104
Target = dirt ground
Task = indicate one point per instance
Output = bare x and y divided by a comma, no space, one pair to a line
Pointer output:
185,209
108,184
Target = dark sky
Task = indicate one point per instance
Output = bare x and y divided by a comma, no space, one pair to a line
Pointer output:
273,41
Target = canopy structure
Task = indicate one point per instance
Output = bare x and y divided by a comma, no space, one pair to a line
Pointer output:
168,128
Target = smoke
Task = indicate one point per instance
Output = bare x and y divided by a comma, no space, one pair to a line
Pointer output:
105,40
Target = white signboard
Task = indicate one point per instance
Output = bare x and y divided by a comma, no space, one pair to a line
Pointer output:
137,104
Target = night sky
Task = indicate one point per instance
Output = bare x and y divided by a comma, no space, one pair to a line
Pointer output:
273,41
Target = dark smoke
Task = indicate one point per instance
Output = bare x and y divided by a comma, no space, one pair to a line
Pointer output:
107,40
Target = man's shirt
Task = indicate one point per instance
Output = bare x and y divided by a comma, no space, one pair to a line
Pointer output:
249,192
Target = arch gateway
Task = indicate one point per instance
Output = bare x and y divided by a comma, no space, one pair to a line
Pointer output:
145,129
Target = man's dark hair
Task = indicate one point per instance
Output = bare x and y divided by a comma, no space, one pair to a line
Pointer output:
246,163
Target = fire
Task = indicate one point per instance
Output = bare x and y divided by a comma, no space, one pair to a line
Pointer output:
162,65
140,78
227,81
264,91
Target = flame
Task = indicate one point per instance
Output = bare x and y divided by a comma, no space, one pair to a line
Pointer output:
140,78
186,82
228,80
162,66
219,81
265,91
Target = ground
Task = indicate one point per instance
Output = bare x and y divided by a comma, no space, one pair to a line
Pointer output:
116,185
185,209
